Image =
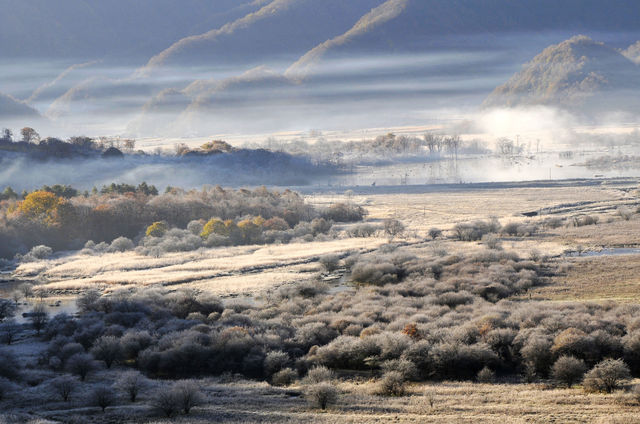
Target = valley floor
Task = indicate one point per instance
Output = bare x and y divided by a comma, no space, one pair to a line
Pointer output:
250,270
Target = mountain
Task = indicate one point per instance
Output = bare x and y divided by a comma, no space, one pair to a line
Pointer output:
401,26
207,105
280,29
13,108
219,59
578,74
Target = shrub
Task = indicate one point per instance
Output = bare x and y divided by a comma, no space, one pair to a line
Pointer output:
580,221
606,376
486,375
434,233
195,227
38,252
133,342
166,401
322,394
460,361
568,370
320,226
131,383
537,357
393,228
81,364
187,395
342,212
102,397
284,377
362,230
88,300
330,262
393,383
403,366
38,317
318,374
157,229
574,342
63,386
107,349
510,228
121,244
475,230
492,241
275,361
380,273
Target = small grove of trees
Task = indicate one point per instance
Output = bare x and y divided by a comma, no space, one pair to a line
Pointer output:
52,218
31,142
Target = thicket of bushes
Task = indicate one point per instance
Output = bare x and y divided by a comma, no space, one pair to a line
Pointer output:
109,217
437,318
450,323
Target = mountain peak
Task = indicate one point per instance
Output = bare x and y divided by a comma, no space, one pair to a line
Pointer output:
576,73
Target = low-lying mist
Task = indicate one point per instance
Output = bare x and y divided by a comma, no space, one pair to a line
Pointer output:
241,168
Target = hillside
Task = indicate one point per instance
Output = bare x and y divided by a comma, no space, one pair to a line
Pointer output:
279,29
11,107
206,104
400,26
578,73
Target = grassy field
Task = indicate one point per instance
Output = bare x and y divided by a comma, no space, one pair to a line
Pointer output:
613,278
242,401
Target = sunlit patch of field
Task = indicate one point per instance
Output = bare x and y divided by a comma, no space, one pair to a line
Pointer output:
618,233
222,270
445,209
614,278
449,402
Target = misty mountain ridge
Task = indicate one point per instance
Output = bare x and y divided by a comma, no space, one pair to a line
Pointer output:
252,54
578,74
12,107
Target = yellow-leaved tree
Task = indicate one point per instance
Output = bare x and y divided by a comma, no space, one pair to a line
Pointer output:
42,206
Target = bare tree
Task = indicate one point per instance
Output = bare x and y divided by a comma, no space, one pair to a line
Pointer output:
131,383
81,364
129,144
166,401
102,397
39,317
393,227
107,349
187,394
322,394
64,386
